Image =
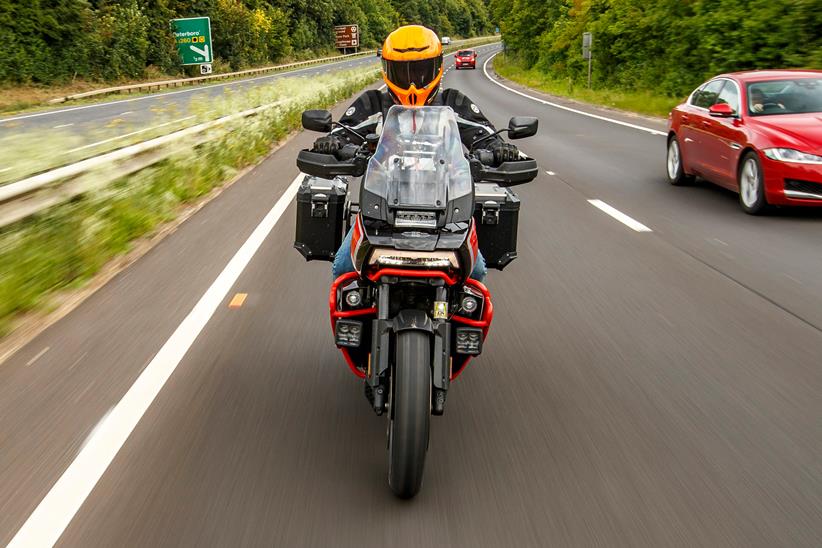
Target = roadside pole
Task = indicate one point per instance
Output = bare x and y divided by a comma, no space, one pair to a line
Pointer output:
587,39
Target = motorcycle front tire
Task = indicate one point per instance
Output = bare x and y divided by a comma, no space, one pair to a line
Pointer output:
409,413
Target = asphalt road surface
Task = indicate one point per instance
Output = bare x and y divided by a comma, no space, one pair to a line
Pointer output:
651,388
142,110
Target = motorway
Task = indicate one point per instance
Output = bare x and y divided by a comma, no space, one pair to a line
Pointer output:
125,115
655,388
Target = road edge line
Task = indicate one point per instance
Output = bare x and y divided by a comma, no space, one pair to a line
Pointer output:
563,107
54,513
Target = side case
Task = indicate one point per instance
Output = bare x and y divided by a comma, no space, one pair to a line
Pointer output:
320,215
496,214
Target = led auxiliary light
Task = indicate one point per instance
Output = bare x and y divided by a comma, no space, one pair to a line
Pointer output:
469,340
469,304
348,333
353,298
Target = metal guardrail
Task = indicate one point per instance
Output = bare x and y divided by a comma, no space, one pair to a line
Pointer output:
148,86
33,194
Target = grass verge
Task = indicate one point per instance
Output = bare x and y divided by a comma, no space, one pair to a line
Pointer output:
66,245
27,153
641,102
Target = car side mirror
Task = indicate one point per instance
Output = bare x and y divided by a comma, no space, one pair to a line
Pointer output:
520,127
317,120
721,110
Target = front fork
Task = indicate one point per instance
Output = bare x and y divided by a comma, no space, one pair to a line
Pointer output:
384,328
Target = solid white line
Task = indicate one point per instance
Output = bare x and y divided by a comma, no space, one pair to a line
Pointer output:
130,134
54,513
563,107
63,125
619,216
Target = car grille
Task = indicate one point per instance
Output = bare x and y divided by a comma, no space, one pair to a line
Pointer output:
803,186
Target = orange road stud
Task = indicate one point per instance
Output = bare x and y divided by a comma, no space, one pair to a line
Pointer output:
238,300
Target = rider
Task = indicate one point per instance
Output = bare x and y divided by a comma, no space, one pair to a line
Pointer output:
412,69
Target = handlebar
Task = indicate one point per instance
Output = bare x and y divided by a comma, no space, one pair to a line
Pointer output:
352,161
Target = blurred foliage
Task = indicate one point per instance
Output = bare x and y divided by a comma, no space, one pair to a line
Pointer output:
667,46
51,41
67,244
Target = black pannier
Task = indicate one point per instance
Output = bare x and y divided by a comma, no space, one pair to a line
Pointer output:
496,214
320,215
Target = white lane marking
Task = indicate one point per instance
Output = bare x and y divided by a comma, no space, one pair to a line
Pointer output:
54,513
5,169
78,360
126,113
130,134
63,125
563,107
193,89
550,173
38,356
619,216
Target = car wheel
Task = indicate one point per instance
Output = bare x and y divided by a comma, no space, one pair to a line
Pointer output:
673,161
751,185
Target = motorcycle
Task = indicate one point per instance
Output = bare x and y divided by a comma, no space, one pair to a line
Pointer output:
409,318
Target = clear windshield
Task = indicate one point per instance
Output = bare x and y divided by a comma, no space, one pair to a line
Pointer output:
419,161
796,96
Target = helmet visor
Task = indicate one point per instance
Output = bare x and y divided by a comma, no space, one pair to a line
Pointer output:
419,73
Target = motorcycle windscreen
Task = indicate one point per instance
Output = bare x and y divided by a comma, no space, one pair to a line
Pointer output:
419,161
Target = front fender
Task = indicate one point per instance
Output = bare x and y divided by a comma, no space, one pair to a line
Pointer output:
413,319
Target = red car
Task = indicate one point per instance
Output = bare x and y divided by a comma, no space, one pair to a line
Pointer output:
758,133
465,58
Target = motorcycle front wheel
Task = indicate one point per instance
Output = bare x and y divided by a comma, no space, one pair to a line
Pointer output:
409,413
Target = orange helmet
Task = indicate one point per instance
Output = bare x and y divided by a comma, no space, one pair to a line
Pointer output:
412,65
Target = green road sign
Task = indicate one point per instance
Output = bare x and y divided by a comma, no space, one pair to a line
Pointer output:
193,37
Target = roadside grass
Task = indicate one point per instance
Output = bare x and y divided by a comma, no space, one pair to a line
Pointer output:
27,153
32,152
641,102
18,99
66,245
31,98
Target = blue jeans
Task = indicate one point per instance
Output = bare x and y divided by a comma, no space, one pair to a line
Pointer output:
342,261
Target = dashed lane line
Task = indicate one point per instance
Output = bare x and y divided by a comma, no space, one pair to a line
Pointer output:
619,216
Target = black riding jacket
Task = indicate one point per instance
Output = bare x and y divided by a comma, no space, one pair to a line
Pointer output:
365,115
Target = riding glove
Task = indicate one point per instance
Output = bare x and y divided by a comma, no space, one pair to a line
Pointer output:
505,152
328,144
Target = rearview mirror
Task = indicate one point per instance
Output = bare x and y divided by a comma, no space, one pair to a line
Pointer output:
520,127
721,110
317,120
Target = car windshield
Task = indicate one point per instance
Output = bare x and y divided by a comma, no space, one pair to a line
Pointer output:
795,96
463,53
419,161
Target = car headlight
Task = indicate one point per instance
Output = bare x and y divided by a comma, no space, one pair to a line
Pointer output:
791,155
413,259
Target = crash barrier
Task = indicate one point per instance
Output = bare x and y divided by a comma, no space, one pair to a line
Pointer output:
31,195
149,86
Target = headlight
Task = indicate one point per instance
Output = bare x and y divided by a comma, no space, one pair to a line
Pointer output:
791,155
414,259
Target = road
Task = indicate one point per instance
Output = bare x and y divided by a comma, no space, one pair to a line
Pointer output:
653,388
145,110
